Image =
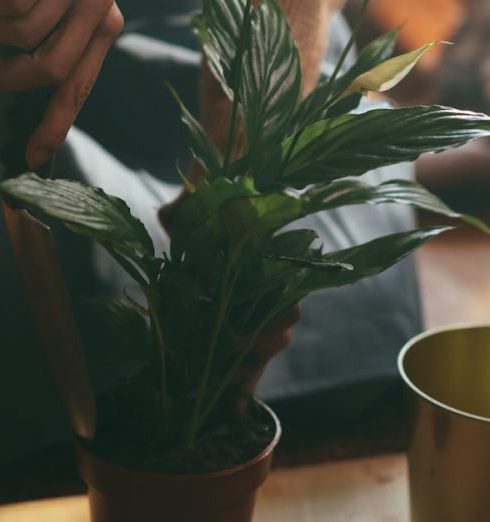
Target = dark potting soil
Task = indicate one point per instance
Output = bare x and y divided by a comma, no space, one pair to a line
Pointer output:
226,445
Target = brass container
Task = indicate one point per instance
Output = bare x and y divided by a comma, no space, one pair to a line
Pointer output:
448,372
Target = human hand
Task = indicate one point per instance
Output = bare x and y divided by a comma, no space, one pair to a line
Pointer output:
63,43
273,340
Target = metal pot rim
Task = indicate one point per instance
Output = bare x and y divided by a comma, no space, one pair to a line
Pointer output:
430,333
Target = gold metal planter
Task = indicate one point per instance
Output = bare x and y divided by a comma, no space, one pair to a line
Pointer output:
448,371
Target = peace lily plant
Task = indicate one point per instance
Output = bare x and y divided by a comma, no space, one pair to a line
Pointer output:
232,267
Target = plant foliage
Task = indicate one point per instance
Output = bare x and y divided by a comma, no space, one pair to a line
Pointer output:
232,266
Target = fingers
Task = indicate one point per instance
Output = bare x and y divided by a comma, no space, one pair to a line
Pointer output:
270,344
53,62
28,31
285,320
71,95
12,8
275,338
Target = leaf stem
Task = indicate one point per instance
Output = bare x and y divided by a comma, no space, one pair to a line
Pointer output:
157,328
220,315
238,362
236,81
291,149
350,44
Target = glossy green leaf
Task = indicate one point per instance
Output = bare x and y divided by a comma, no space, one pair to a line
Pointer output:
346,192
294,243
374,53
196,227
219,30
211,53
203,148
88,211
130,329
271,83
353,144
353,191
367,260
252,218
310,262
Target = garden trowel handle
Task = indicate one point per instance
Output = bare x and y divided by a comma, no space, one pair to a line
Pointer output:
35,254
36,258
22,117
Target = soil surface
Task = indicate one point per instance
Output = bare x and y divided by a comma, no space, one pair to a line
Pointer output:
222,447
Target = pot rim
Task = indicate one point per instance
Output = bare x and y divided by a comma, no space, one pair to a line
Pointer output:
420,393
197,476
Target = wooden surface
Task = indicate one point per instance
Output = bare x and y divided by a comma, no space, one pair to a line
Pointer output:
369,490
454,274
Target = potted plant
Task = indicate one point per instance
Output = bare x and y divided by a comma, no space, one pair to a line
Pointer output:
171,443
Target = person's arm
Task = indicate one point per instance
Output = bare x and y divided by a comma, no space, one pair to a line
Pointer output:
63,43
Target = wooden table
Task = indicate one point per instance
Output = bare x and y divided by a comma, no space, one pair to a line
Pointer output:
369,490
455,282
454,273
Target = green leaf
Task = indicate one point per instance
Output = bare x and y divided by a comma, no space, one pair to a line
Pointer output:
252,218
388,74
318,104
353,191
283,285
294,243
86,210
211,53
374,53
367,260
353,144
203,148
346,192
345,105
198,217
307,262
219,30
130,329
259,274
271,83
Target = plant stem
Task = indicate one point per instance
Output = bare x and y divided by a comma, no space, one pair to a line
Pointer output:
292,147
236,366
236,81
220,316
350,44
157,328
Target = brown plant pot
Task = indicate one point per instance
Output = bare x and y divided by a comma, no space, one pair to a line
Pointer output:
119,494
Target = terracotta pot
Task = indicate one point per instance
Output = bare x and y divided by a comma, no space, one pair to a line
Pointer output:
119,494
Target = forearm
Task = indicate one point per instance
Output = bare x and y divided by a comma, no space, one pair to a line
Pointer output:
309,21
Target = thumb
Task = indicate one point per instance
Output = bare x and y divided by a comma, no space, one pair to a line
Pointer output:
166,214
